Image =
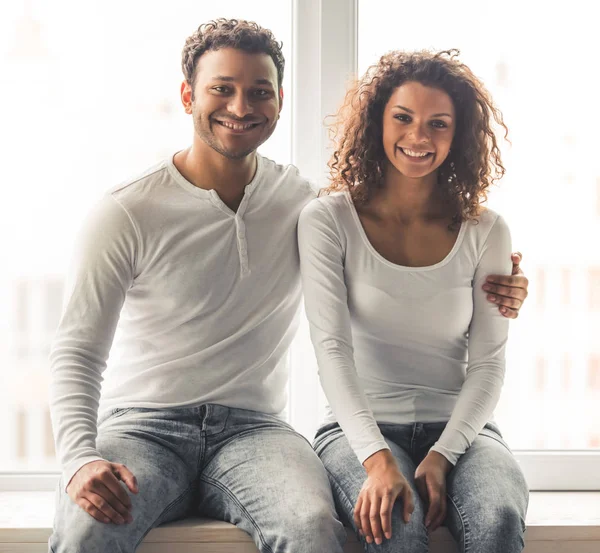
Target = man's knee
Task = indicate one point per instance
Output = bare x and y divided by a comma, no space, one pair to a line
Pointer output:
313,529
75,531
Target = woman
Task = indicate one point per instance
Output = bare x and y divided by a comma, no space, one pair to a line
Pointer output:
410,353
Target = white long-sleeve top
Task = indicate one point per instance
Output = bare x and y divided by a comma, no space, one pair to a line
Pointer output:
204,302
398,344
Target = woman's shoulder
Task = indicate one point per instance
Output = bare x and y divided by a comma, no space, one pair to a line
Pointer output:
328,206
487,220
489,227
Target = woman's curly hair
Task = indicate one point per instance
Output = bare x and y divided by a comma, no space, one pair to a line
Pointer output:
358,162
230,33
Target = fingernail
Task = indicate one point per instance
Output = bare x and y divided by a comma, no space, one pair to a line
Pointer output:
369,539
492,298
487,287
378,541
388,535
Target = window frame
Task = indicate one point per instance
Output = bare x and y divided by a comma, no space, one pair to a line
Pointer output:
324,56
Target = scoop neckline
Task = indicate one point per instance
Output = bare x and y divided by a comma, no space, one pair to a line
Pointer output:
404,268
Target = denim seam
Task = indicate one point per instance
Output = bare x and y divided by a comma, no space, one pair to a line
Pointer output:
208,460
226,490
465,525
342,493
166,510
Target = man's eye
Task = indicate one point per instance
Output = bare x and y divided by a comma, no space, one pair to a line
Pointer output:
220,88
261,92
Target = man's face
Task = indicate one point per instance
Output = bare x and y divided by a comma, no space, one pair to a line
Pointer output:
235,102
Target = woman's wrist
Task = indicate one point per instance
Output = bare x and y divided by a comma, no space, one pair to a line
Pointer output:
379,459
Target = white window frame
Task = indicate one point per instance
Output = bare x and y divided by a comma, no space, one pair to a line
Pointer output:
324,57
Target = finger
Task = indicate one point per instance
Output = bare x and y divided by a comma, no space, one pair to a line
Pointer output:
357,509
104,507
375,520
505,301
125,475
434,508
513,281
385,514
422,489
439,520
365,512
112,482
106,492
408,503
506,291
91,510
509,313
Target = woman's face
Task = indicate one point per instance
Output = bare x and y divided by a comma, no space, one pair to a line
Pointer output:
418,128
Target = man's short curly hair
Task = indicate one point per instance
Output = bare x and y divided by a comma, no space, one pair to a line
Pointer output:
358,162
230,33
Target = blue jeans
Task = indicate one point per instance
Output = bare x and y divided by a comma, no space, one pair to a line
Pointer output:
486,491
244,467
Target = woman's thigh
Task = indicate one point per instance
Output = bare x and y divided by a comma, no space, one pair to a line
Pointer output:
487,497
347,476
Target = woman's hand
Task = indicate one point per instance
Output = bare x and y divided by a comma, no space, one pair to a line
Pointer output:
384,484
430,478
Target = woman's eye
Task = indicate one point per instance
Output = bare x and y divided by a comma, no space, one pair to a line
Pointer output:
439,124
403,117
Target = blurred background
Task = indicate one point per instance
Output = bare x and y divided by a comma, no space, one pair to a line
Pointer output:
89,96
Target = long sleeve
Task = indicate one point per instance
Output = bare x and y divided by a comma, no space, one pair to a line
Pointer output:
488,333
325,293
101,273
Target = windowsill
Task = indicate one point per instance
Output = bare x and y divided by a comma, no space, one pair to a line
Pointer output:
556,522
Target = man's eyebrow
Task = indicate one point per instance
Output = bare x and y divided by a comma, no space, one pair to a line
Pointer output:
232,79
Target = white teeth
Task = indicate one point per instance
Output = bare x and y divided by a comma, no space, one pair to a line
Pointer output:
237,126
412,153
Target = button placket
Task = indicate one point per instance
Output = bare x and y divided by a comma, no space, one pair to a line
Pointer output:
242,245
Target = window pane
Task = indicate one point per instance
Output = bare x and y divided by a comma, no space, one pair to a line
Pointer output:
550,195
90,97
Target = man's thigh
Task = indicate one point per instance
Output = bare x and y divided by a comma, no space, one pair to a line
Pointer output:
266,479
139,439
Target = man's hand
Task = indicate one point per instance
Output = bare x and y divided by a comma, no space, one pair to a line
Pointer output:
95,487
430,478
384,484
508,292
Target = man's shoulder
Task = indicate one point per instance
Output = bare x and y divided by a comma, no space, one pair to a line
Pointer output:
140,183
287,178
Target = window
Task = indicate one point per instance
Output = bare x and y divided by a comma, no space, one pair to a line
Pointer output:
79,120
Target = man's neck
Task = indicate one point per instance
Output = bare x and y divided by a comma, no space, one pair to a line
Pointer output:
210,170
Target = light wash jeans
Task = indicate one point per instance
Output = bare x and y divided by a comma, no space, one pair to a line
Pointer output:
244,467
486,491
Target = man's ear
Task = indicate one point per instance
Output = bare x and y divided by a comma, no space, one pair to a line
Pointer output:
280,98
186,96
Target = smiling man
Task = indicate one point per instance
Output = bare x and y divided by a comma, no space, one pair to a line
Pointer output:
195,262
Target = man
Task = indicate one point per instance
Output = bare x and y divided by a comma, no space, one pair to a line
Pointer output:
195,262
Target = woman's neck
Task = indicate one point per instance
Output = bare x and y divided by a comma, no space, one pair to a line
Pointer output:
408,199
